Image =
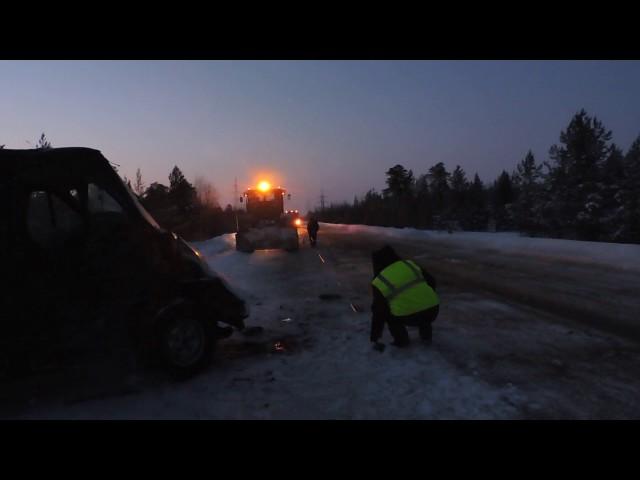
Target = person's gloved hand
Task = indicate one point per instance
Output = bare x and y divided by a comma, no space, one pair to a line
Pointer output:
379,346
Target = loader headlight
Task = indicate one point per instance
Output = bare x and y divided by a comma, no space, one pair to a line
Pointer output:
297,222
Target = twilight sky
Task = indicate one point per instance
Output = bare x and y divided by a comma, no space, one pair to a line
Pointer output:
312,125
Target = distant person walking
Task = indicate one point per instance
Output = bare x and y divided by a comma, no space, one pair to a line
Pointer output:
312,230
404,294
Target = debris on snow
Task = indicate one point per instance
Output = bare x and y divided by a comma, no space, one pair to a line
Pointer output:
329,296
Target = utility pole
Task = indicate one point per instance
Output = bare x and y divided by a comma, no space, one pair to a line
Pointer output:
322,198
235,193
235,202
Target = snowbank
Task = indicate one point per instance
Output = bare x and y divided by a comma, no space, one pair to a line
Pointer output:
617,255
216,245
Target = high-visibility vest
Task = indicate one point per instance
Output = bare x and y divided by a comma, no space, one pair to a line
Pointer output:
405,289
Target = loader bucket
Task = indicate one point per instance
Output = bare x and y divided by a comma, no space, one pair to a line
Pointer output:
276,237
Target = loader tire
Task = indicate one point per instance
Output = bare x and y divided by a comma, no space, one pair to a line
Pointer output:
293,244
243,245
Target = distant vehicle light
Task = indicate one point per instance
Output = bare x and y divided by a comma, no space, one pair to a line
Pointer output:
264,186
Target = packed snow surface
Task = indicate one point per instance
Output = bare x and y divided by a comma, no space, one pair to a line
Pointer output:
491,359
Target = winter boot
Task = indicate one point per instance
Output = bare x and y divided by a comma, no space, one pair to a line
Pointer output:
426,334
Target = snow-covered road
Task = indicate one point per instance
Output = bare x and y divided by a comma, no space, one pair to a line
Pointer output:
493,357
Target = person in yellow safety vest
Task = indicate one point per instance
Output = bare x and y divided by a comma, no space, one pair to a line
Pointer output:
404,294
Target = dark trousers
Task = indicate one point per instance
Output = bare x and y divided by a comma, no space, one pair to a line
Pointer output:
313,234
422,320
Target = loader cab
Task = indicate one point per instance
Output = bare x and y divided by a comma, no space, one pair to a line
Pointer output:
265,224
265,203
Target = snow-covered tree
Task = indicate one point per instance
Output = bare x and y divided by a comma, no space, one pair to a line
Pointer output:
574,205
139,186
399,182
526,208
181,192
502,197
439,190
478,213
459,186
43,143
612,188
627,218
423,217
399,193
206,193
